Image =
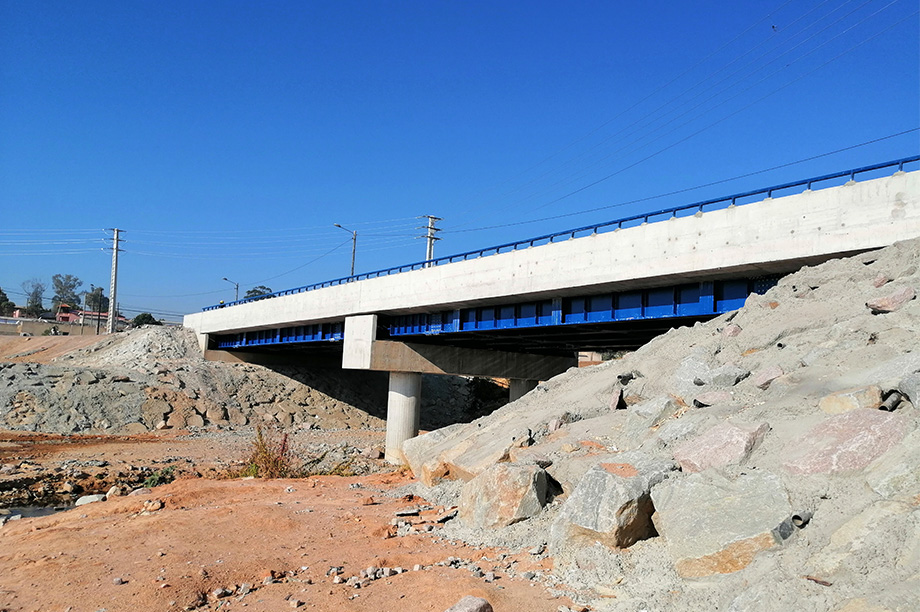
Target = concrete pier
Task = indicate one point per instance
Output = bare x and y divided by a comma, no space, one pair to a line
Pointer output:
403,404
520,387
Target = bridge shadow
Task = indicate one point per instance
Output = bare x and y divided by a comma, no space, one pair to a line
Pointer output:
445,399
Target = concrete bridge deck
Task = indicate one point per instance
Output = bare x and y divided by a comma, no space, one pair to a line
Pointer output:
391,322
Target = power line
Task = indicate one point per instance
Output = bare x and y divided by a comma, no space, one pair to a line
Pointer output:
686,189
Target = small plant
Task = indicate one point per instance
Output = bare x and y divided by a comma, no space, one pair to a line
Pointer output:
161,477
271,458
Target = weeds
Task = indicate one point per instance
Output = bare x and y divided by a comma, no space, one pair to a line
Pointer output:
161,477
271,458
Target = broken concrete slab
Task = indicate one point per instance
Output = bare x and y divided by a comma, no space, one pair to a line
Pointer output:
857,398
846,442
725,444
502,495
713,525
611,502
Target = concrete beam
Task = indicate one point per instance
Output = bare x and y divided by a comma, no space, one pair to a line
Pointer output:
391,356
362,351
774,236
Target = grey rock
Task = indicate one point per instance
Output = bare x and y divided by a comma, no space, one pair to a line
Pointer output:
502,495
910,386
713,525
471,604
89,499
611,503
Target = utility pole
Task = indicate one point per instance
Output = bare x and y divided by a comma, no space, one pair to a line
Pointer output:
113,286
354,245
430,237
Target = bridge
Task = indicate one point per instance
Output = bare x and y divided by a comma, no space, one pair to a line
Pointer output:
521,310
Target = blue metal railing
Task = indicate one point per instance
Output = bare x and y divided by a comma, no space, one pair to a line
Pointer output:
648,217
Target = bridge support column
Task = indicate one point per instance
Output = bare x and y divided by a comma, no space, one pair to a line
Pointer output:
403,404
520,387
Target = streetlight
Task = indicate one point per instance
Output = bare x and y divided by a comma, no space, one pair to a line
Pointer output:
354,244
236,288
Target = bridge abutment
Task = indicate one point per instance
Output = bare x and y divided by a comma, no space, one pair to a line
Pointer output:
403,405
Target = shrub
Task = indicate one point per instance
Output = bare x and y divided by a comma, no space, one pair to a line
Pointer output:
161,477
271,458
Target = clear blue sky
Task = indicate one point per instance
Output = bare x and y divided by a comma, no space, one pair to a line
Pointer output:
226,138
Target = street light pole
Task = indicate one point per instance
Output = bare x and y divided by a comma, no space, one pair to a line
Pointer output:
236,289
354,245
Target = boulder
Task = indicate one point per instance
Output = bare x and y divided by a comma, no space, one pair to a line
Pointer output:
763,377
471,604
725,444
712,525
845,442
89,499
869,397
502,495
891,302
865,539
611,503
421,453
645,415
728,375
895,474
910,386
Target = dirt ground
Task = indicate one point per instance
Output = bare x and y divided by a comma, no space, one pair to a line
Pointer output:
128,553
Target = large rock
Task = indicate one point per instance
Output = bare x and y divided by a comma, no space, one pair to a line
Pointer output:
611,503
865,541
503,495
845,442
891,302
471,604
715,526
896,473
859,398
725,444
421,453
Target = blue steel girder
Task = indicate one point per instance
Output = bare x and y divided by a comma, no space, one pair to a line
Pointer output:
689,300
702,299
297,334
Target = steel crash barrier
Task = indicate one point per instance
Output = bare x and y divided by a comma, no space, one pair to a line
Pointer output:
737,199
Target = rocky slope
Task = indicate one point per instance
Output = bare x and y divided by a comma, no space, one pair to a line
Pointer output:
155,377
766,460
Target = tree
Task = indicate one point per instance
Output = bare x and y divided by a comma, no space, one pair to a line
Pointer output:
6,306
65,290
145,318
95,301
35,290
257,291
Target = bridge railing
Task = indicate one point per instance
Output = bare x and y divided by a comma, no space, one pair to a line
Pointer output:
623,222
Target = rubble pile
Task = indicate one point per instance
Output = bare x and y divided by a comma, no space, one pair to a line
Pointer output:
767,459
155,378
